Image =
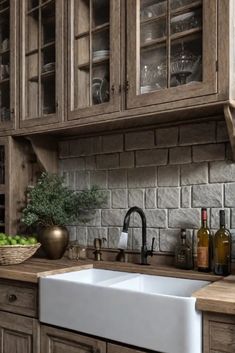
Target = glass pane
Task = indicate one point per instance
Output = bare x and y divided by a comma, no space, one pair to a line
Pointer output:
152,31
186,61
186,21
150,9
32,4
2,167
153,73
48,23
5,114
176,4
100,45
32,85
81,16
170,53
32,31
48,94
82,73
100,12
100,84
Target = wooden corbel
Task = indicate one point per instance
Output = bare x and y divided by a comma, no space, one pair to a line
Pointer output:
46,150
229,114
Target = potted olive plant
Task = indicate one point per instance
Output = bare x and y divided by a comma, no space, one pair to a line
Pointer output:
51,206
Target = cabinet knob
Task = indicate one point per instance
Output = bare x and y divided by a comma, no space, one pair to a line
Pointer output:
12,298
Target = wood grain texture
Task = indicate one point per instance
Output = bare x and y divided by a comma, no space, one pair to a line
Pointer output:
217,297
218,333
19,334
54,340
31,270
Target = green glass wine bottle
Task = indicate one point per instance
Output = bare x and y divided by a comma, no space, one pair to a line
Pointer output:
222,249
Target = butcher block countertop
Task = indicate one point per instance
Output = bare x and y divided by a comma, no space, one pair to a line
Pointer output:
32,269
218,297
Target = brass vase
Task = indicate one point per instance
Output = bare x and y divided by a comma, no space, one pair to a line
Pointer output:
54,241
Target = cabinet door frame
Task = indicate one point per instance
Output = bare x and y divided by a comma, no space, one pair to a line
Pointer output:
209,54
115,56
14,40
51,334
22,326
59,70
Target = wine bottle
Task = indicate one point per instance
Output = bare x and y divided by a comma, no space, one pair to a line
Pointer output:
203,244
184,253
222,249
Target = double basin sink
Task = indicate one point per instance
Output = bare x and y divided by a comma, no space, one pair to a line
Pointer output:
152,312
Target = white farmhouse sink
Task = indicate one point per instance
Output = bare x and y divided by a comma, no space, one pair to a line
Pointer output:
151,312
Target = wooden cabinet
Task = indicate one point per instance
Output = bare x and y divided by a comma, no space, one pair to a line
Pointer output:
41,62
8,64
19,333
54,340
219,333
93,57
116,348
172,51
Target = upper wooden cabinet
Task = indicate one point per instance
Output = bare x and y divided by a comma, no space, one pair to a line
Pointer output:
41,61
77,63
93,57
8,63
171,51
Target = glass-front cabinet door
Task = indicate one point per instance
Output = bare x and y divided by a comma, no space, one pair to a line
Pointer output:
8,33
171,50
41,61
93,57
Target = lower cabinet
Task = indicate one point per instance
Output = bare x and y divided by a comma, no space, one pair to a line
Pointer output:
116,348
219,333
18,334
54,340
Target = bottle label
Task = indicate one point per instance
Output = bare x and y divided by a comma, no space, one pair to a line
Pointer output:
202,257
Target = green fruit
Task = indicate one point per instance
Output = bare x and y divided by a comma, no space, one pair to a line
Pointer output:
23,241
32,240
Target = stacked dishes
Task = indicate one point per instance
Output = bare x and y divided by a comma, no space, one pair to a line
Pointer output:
100,54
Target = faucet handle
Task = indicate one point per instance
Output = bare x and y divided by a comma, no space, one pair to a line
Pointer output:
152,247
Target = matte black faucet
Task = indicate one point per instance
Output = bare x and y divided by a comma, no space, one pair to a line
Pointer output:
144,253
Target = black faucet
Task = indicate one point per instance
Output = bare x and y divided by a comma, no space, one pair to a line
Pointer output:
144,253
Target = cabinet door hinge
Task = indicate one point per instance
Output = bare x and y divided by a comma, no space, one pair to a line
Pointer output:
217,66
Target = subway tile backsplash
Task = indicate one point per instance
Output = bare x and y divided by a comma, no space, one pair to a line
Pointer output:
169,172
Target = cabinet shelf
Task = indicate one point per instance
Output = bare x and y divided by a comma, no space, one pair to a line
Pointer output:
183,9
48,45
86,66
93,30
4,52
187,33
6,9
44,76
156,42
35,8
5,80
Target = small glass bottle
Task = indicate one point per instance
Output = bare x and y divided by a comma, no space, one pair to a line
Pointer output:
184,253
222,249
203,244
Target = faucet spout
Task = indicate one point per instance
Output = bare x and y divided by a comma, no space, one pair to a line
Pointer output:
144,251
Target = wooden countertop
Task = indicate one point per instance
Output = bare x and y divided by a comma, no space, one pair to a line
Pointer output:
218,297
32,269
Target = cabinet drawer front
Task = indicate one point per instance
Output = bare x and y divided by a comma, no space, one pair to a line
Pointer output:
222,337
18,298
